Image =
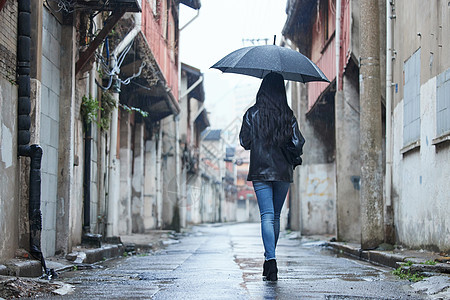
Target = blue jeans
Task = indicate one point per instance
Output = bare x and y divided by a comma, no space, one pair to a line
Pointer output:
270,195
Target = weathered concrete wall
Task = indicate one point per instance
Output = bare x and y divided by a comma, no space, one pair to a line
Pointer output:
193,198
49,141
9,164
318,150
243,210
102,171
421,193
137,182
9,200
420,176
168,171
348,166
94,184
150,206
77,216
66,204
209,197
229,211
317,191
126,160
432,36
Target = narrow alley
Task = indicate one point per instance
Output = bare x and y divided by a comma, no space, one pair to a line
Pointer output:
225,262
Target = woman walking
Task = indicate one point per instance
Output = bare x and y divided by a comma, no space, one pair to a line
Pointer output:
270,131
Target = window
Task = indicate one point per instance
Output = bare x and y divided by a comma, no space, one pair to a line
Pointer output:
443,103
411,101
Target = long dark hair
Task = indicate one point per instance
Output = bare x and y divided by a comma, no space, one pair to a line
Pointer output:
275,115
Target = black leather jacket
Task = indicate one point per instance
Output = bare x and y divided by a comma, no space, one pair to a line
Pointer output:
269,163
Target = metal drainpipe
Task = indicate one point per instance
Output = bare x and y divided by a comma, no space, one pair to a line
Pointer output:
87,178
87,161
24,123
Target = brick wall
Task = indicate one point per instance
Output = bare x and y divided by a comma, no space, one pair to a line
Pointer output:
8,40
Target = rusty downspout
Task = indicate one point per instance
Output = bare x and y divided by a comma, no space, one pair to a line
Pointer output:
34,152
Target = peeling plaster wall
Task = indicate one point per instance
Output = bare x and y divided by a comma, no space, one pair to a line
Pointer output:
9,164
318,193
9,170
168,171
193,199
126,159
137,182
421,193
150,206
348,165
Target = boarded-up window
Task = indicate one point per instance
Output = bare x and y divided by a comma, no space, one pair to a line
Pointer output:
443,103
411,103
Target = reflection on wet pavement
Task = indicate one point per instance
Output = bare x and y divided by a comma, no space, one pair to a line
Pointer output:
225,262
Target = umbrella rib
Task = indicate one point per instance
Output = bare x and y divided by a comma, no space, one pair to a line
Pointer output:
279,57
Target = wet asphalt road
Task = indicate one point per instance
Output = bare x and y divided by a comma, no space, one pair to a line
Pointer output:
225,262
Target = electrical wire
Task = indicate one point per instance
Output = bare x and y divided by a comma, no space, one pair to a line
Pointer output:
127,81
63,5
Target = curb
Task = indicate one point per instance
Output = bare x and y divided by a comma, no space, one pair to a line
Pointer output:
21,267
90,256
393,260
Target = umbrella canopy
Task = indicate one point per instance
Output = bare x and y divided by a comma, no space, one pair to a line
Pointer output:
258,61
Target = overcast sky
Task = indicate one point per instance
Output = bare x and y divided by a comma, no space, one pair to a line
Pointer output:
219,30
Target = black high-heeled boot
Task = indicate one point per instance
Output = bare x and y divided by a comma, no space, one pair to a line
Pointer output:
265,268
272,270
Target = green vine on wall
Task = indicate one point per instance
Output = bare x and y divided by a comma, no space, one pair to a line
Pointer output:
107,106
89,109
131,108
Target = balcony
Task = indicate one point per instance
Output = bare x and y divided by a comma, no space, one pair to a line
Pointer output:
108,5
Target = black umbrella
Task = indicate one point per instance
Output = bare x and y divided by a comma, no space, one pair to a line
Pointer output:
258,61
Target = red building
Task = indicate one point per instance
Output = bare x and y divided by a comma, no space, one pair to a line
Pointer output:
325,197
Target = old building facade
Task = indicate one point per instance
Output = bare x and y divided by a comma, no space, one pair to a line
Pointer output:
103,96
414,99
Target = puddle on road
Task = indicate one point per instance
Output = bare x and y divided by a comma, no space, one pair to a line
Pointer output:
294,267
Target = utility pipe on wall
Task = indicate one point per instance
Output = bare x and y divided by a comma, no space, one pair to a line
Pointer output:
337,38
191,20
389,57
130,35
23,138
